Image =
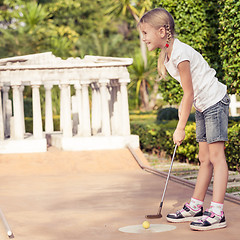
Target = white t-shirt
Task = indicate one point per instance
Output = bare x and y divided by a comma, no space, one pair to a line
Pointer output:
206,87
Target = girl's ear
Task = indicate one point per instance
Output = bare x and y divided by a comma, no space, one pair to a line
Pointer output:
162,32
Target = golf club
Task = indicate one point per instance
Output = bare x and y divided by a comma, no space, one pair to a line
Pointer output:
159,215
5,223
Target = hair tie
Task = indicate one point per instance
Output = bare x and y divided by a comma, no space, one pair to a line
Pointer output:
167,45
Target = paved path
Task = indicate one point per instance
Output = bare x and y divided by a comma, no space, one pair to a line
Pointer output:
89,195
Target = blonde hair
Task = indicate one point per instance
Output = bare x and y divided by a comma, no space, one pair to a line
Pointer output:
159,17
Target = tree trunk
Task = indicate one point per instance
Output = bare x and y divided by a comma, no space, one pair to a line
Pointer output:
154,93
144,96
148,104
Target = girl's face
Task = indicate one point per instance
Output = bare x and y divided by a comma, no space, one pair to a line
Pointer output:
152,37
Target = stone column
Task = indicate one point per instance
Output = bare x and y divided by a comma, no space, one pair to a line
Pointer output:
9,113
118,111
114,109
78,90
22,107
105,116
66,111
233,105
85,129
124,108
37,115
17,110
6,113
1,116
96,109
74,111
61,109
48,108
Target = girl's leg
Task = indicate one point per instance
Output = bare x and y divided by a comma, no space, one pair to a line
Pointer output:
214,217
205,172
194,210
218,160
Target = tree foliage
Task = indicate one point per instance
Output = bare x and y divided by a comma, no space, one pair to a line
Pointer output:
196,24
73,28
65,27
229,19
143,74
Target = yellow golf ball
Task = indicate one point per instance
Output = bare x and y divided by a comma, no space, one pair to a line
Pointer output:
146,224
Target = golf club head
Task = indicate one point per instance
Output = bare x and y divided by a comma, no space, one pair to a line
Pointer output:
153,216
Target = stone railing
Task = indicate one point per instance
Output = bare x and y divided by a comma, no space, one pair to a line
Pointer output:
102,124
234,106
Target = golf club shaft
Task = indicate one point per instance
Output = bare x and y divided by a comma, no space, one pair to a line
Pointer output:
8,230
170,169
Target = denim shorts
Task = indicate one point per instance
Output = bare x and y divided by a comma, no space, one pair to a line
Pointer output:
212,123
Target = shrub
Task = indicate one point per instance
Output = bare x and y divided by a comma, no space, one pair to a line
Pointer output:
29,123
157,138
28,107
167,114
146,135
229,43
196,24
233,120
232,147
152,137
189,149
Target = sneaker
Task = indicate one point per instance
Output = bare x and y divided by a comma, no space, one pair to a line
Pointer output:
209,221
186,214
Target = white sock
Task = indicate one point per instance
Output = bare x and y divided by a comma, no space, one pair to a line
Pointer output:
195,203
217,208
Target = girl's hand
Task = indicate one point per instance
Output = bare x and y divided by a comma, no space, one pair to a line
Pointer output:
178,136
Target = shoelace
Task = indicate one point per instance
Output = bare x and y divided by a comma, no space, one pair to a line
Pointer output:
203,219
178,213
205,216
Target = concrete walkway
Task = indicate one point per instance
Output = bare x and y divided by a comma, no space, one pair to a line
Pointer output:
90,195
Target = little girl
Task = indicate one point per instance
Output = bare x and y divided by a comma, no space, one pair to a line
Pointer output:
209,97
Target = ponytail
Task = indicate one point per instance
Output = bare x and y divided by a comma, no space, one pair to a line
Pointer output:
163,54
161,68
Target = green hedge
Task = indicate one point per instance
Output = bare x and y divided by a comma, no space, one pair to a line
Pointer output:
157,138
167,114
229,36
197,25
213,29
232,147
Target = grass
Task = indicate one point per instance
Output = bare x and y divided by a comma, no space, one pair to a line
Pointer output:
163,164
233,189
143,117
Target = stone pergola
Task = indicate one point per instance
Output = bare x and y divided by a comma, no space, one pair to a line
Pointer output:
101,122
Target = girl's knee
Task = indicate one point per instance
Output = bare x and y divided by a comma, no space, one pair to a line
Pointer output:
204,158
217,153
203,154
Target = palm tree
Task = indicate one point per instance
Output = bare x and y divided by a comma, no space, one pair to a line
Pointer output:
144,79
121,7
33,14
141,68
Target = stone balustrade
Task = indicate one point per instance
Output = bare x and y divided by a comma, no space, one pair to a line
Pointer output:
96,121
234,106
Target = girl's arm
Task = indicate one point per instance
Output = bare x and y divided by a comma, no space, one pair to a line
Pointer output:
187,101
